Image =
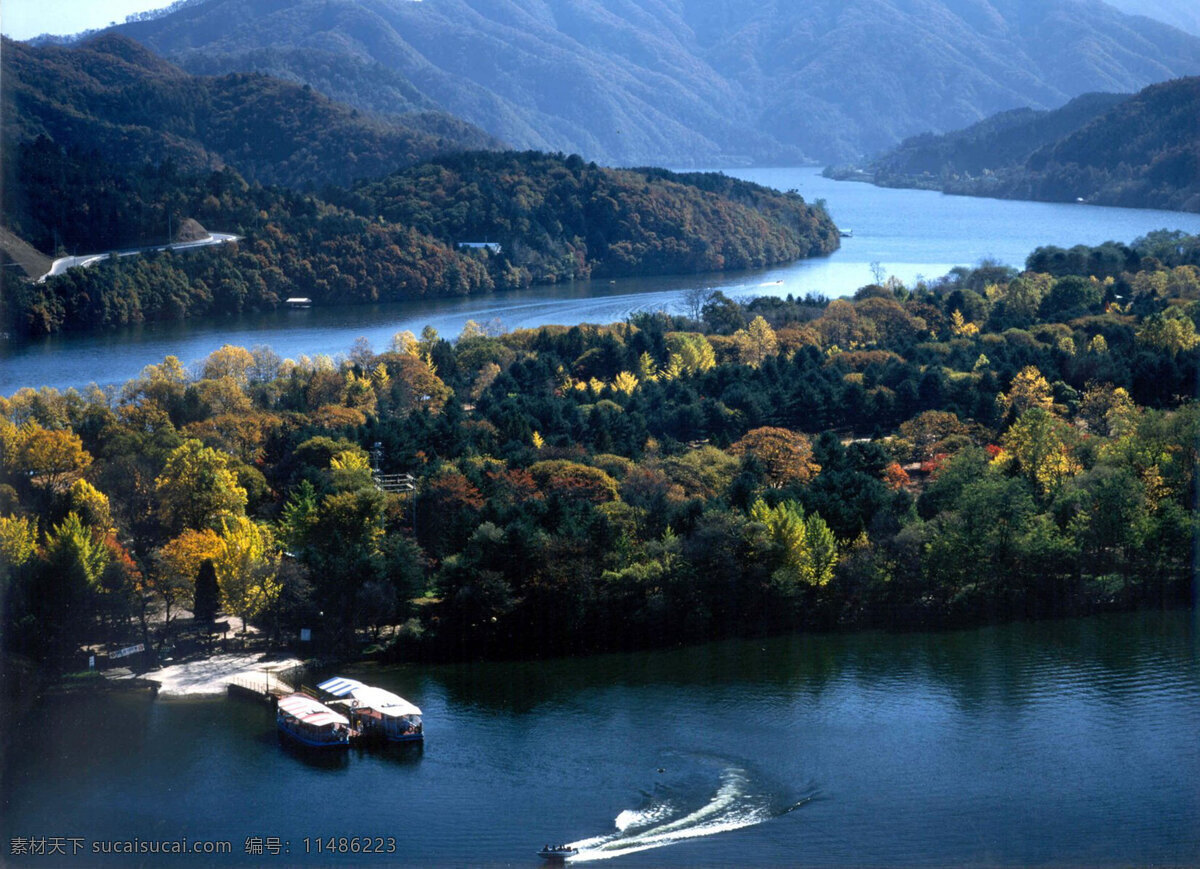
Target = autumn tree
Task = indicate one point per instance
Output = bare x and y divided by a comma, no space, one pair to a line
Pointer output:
178,564
1042,447
785,455
1028,389
803,548
198,488
756,343
246,565
52,458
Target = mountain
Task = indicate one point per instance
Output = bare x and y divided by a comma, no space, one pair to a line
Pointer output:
115,97
1001,142
685,82
1184,14
1141,151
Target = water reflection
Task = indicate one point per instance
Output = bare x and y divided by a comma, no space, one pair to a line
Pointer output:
1014,666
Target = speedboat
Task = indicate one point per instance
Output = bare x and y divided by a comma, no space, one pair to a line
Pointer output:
557,853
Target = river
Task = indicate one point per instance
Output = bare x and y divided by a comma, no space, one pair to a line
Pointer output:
1067,743
909,233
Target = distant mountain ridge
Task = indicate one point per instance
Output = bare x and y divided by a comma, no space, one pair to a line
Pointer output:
113,96
1140,151
686,82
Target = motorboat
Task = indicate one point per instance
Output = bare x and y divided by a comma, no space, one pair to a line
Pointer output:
557,853
311,723
374,711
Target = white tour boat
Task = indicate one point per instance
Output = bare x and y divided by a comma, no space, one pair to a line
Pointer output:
311,723
376,712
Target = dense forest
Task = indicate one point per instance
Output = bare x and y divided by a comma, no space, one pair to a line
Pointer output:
125,105
1140,151
553,218
992,445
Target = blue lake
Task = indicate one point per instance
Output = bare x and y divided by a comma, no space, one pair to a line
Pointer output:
1067,743
909,233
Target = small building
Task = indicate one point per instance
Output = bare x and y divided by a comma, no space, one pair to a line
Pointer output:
489,246
298,302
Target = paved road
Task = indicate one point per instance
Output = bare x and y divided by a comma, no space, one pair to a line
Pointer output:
72,262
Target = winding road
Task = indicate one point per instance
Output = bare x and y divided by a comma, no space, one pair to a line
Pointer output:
62,264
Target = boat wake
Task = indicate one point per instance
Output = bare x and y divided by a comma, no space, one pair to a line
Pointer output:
669,819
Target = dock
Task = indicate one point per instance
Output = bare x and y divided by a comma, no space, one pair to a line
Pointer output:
264,686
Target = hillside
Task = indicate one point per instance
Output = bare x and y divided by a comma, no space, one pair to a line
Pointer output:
686,82
1141,151
398,238
1184,14
113,97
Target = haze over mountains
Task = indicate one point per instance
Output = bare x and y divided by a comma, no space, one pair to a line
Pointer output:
686,82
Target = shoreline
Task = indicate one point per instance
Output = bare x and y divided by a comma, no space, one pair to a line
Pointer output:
212,676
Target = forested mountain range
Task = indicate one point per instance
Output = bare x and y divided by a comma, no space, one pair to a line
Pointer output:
1141,151
686,82
112,96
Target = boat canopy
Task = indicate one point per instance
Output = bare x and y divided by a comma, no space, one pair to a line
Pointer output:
384,702
306,709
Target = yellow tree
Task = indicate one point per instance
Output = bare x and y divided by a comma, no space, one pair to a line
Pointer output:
688,353
625,382
18,544
92,506
229,361
246,565
1028,389
756,343
178,564
1171,332
1041,444
52,458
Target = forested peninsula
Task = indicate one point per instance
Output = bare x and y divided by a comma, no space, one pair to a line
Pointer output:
1139,151
546,218
989,446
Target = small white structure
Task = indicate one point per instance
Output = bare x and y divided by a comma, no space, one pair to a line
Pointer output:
298,302
490,246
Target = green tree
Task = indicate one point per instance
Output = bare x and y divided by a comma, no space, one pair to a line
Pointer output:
198,488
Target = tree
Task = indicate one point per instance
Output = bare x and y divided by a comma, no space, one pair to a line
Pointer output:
786,456
246,567
804,547
1028,389
1041,445
198,488
179,562
756,343
230,361
207,597
688,353
1172,332
53,458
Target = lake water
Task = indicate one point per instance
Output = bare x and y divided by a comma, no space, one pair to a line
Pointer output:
1070,743
910,233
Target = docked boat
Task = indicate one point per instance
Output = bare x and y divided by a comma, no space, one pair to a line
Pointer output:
557,853
376,712
311,723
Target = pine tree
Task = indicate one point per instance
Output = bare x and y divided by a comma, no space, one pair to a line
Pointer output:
204,606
